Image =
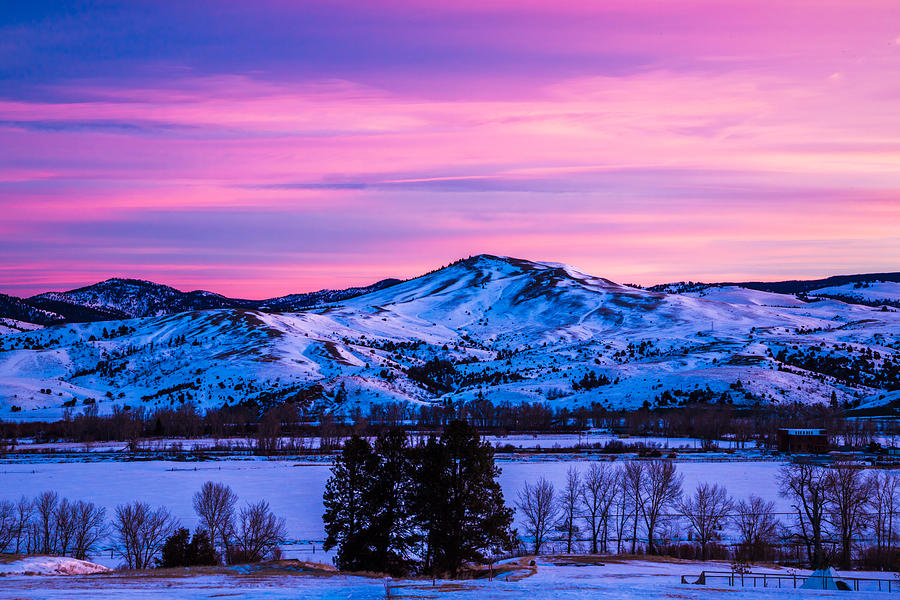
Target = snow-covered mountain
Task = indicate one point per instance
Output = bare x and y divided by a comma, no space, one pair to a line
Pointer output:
873,293
128,298
295,302
487,327
116,299
877,287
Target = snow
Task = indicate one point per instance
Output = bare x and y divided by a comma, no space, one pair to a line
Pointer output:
556,322
557,578
733,294
294,488
50,565
13,326
870,291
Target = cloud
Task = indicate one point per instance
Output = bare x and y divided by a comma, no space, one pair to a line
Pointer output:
241,144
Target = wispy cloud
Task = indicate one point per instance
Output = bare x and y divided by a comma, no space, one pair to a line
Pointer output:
331,142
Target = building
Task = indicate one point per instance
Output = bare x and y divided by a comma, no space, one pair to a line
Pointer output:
803,441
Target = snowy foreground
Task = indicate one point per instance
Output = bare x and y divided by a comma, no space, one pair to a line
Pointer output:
560,577
50,565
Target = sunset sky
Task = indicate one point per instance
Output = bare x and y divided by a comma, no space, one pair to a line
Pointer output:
266,147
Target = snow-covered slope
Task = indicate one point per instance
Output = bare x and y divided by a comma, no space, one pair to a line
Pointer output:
16,309
515,330
127,298
733,294
15,326
116,299
875,293
294,302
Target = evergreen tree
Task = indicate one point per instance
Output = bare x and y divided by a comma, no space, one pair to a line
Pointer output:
459,501
175,550
201,550
347,516
180,550
389,497
381,503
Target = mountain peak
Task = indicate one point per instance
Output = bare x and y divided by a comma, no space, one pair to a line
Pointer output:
123,282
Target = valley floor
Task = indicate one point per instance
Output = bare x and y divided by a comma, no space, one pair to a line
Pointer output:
294,488
557,577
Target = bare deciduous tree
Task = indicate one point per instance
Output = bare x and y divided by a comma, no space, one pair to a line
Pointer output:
568,507
706,513
89,526
757,525
268,433
847,494
537,503
214,504
8,525
601,485
884,501
45,509
806,486
661,490
633,479
141,532
621,506
24,512
259,532
64,526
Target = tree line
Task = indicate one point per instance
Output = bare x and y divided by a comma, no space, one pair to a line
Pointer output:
143,535
278,429
837,514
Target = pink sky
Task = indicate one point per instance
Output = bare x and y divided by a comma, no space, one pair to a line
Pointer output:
327,145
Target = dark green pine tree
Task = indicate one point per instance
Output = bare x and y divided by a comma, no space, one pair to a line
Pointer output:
347,515
179,552
394,536
459,501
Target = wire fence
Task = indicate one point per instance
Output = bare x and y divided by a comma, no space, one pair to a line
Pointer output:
794,580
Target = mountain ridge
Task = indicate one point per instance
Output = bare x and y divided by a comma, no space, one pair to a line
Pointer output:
124,298
485,328
788,286
86,303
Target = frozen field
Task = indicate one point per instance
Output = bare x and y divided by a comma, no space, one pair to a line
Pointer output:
294,488
559,578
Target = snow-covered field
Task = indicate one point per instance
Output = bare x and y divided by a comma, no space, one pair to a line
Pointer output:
557,578
294,488
877,291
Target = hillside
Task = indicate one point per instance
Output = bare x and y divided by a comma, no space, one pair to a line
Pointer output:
488,327
294,302
116,299
877,288
128,298
19,310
